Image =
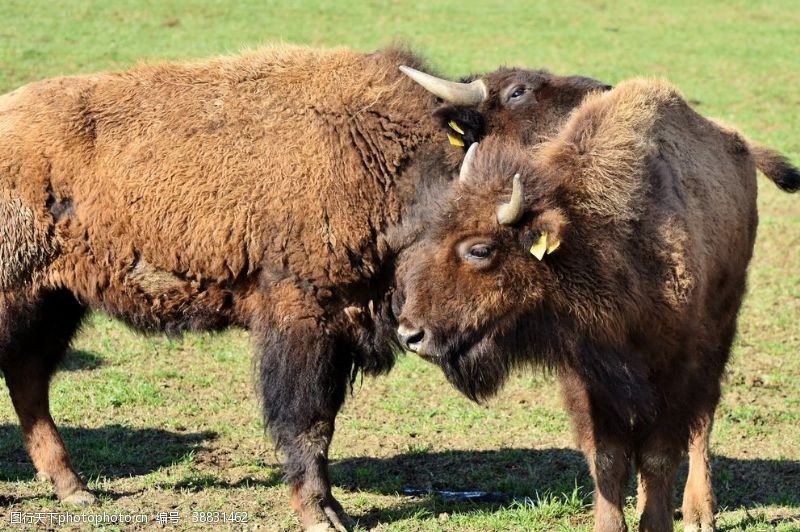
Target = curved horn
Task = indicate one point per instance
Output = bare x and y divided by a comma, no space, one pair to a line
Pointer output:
450,91
510,213
466,165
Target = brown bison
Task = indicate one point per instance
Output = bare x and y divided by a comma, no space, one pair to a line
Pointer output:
250,191
617,256
257,191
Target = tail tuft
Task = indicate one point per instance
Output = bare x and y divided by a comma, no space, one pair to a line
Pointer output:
777,168
789,180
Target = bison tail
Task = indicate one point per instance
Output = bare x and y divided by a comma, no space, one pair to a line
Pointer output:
777,167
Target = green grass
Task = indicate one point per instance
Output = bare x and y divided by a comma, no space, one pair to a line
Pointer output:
157,425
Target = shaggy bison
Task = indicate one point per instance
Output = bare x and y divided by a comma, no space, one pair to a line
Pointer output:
257,191
615,255
251,191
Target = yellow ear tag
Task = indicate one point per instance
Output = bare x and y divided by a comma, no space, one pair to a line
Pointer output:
539,248
455,141
454,126
554,246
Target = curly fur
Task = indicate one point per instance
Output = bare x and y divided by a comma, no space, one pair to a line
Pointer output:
654,207
252,190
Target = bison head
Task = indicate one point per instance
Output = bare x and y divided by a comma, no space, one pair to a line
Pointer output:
480,270
519,104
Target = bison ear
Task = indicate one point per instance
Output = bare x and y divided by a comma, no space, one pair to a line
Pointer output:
588,84
545,234
463,125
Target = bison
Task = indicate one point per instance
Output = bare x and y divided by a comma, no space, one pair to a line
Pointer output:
257,191
250,191
614,253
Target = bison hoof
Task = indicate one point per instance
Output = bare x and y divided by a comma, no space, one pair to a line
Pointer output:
79,498
337,520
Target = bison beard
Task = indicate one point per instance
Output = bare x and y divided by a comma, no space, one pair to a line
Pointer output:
478,372
478,366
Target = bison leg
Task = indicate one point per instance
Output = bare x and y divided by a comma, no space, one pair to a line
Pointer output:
304,379
609,463
608,455
698,496
657,462
34,337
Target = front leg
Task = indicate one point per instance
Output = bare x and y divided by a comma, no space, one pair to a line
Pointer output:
608,454
657,460
303,380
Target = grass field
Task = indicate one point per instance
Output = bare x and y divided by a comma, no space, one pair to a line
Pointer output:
160,425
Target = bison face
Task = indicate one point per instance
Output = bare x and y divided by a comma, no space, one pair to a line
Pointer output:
521,105
480,269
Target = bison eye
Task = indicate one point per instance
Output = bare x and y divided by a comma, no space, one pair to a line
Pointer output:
479,252
517,93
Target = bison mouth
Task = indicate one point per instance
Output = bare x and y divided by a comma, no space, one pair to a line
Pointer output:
476,363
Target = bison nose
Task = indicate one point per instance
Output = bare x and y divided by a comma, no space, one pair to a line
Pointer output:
410,338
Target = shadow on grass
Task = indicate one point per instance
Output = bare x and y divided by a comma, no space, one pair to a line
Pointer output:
117,451
80,360
752,483
514,472
112,451
520,473
506,473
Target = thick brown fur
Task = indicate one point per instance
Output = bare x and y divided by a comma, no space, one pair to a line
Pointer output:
215,165
654,208
251,190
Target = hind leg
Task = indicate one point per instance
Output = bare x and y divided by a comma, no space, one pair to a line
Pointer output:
698,496
658,458
657,462
699,502
34,335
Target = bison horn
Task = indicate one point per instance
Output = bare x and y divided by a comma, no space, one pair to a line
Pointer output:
457,93
466,166
510,213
